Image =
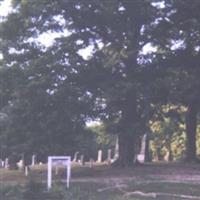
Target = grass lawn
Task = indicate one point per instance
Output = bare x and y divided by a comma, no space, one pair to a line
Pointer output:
160,181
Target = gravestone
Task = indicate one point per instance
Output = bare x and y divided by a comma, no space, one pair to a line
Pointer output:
24,161
75,159
20,165
99,158
82,160
56,170
141,155
6,165
109,156
33,160
91,163
116,154
168,156
143,146
1,163
27,169
155,157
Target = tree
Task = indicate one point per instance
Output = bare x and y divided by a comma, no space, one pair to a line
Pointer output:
46,112
112,77
117,83
168,132
177,37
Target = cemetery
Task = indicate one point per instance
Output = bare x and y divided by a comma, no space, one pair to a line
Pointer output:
63,178
99,100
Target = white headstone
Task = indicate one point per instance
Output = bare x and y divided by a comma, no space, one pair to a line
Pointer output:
20,164
109,156
75,159
26,170
82,161
56,170
143,146
1,163
167,156
6,165
116,154
33,160
99,158
91,163
141,155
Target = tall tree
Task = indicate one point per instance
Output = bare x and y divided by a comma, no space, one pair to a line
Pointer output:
112,82
176,35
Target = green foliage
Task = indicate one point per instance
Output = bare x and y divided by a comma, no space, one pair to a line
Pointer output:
33,190
61,89
168,132
198,140
102,137
49,92
11,192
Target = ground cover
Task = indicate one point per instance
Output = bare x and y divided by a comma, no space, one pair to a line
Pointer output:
150,181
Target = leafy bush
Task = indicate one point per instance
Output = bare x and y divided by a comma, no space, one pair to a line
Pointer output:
33,190
11,193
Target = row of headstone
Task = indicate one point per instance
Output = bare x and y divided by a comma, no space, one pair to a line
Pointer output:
6,164
109,158
21,163
81,159
143,156
140,157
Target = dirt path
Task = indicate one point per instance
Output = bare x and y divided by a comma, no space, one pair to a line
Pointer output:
174,173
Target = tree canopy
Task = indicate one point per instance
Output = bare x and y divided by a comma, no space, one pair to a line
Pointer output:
51,89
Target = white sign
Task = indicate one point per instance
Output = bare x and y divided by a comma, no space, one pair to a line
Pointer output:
58,161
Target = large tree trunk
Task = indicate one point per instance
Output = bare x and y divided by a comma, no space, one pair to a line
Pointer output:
126,150
128,128
191,126
128,132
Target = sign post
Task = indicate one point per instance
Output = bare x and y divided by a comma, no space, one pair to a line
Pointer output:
58,161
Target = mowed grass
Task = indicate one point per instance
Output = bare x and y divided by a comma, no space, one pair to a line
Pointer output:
102,182
89,191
